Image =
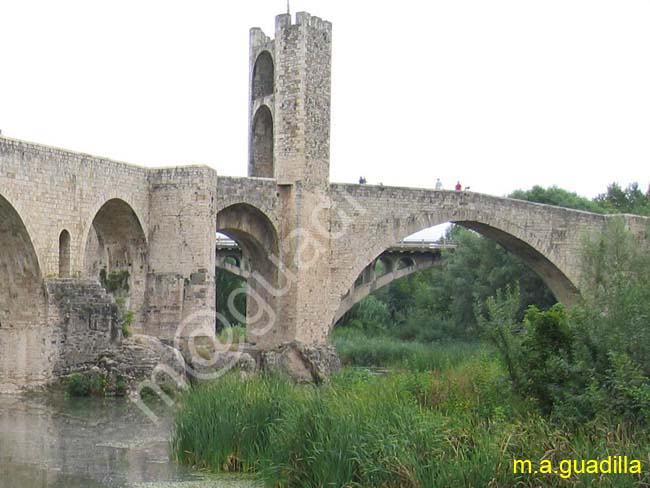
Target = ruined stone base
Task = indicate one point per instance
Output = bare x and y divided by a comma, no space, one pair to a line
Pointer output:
206,359
136,360
216,364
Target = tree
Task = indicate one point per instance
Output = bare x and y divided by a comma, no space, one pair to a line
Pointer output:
557,196
629,200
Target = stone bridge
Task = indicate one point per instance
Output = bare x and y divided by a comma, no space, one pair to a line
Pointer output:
69,220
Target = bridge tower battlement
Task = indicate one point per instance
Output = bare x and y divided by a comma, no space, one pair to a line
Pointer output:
289,105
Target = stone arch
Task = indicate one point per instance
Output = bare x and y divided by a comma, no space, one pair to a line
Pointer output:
22,296
261,163
233,260
263,76
258,239
64,254
115,243
25,339
405,262
383,265
487,220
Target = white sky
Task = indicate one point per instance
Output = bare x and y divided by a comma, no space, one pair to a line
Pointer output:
498,94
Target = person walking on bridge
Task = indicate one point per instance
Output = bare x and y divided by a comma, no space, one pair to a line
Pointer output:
459,187
438,184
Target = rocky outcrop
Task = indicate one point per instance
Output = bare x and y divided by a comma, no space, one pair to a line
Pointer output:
205,361
302,362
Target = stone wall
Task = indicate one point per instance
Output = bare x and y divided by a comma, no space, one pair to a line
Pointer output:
157,224
53,189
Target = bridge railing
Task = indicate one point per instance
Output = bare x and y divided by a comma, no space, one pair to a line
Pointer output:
425,244
227,242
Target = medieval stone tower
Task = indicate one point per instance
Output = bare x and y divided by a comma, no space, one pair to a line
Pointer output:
289,141
289,115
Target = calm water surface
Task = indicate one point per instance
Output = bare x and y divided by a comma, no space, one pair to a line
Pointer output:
48,442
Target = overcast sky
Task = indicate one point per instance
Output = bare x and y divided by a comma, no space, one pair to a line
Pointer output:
497,94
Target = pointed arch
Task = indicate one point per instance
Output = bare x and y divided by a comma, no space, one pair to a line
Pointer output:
116,242
263,76
261,164
22,299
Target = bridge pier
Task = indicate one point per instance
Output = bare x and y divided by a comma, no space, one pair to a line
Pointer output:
180,297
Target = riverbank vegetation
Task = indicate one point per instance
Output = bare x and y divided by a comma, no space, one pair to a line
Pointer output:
452,374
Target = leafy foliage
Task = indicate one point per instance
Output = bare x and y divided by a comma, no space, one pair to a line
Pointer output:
115,282
230,284
127,321
86,384
557,196
629,200
594,360
438,303
457,426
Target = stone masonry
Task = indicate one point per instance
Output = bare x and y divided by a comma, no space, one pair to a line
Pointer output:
66,217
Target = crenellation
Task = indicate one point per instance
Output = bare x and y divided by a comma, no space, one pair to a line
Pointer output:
282,21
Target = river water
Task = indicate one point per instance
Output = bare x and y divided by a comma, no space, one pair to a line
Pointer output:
54,442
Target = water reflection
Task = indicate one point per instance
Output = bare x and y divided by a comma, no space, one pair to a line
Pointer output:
88,443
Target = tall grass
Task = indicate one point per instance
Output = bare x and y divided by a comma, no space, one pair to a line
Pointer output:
459,426
358,349
225,425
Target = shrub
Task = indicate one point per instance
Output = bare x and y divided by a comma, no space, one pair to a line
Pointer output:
86,384
97,384
121,386
116,282
127,320
595,360
78,385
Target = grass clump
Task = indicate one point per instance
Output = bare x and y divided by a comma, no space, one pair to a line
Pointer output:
232,335
225,425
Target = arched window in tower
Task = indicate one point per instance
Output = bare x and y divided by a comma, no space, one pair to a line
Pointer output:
263,76
64,254
262,144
